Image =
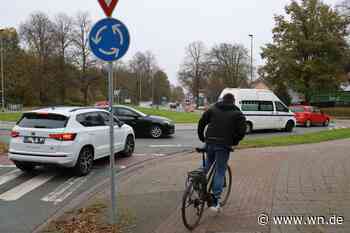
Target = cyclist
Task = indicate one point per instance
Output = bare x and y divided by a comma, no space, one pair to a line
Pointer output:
226,127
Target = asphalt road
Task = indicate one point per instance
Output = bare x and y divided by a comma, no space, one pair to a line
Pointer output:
28,200
186,139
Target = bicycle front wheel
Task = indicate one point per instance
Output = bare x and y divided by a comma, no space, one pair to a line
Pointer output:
227,186
192,207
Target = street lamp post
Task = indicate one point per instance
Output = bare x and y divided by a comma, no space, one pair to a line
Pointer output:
2,71
251,58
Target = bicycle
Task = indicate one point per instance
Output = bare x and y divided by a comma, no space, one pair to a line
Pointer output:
198,191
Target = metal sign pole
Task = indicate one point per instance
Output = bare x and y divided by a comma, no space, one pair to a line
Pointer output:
110,47
112,158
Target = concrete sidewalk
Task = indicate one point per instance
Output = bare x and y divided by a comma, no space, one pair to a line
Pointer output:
305,180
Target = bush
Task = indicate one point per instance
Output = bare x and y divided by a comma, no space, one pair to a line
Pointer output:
337,111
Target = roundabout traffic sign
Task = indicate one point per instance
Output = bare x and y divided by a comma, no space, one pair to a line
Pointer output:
109,39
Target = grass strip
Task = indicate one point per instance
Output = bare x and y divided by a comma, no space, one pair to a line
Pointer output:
177,117
12,116
308,138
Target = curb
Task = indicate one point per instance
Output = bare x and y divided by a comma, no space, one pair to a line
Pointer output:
87,195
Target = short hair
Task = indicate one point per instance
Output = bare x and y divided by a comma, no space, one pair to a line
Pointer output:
229,98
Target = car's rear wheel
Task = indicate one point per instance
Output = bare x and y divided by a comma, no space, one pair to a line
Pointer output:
25,166
85,161
156,131
129,147
308,124
326,123
289,126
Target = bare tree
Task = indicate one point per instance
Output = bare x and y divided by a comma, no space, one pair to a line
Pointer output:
194,68
81,52
231,63
63,38
144,66
37,33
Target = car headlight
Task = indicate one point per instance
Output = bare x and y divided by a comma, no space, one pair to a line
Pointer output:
168,122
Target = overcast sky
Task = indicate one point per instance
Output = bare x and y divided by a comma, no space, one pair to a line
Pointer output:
166,27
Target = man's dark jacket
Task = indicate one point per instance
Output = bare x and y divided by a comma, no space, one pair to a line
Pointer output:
226,125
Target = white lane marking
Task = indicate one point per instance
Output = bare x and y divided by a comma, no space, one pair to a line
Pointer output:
65,190
166,146
10,176
7,166
140,155
24,188
122,167
149,155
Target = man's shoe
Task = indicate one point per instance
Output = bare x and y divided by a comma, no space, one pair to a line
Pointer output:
216,207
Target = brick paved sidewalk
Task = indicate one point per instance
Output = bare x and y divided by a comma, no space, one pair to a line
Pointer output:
304,180
4,160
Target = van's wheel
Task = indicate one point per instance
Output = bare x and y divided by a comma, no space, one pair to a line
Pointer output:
156,131
289,126
249,128
129,147
26,167
85,161
308,124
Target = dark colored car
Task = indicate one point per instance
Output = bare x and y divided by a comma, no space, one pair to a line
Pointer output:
309,115
144,125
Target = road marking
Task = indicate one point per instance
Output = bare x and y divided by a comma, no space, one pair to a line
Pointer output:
149,155
122,167
166,146
140,155
26,187
10,176
7,166
65,190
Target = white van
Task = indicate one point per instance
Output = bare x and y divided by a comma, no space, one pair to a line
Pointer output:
262,109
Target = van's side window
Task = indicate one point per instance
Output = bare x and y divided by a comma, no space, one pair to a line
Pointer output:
250,106
265,106
280,107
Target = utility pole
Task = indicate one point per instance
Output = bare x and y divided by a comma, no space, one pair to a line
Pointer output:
251,58
2,72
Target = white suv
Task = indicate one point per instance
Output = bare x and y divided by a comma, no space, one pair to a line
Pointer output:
68,137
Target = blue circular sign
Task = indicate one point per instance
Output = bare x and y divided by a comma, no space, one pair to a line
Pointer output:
109,39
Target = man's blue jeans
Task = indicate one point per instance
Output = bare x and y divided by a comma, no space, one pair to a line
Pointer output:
221,154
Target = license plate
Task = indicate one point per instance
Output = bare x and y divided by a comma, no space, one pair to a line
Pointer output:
34,140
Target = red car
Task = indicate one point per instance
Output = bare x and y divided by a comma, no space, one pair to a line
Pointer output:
309,115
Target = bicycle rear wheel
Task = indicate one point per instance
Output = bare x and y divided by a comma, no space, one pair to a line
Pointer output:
227,186
192,207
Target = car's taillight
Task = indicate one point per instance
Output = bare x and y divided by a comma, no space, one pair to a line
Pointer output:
14,134
63,136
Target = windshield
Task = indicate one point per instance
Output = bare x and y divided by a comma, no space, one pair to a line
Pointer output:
297,109
43,121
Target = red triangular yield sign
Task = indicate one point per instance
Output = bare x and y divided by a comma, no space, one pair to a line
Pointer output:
108,6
